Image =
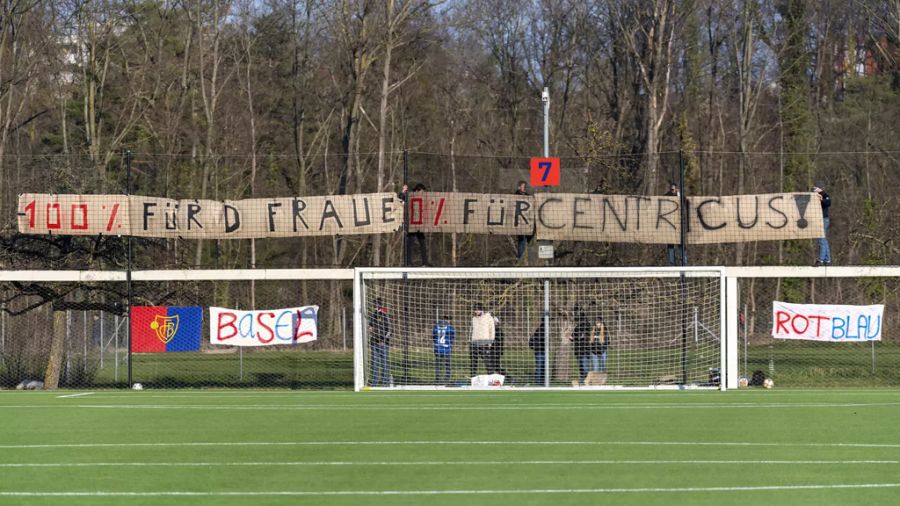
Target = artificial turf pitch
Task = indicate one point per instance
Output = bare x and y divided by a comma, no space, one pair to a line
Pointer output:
454,447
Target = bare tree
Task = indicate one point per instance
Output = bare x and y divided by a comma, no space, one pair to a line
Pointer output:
648,31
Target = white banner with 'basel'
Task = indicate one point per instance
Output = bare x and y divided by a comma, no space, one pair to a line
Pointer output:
264,327
825,322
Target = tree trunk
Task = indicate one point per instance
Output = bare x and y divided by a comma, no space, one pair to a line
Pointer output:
57,351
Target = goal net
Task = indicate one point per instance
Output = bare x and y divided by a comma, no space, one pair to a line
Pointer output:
538,328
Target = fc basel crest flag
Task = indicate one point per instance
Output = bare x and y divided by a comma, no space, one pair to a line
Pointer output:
165,328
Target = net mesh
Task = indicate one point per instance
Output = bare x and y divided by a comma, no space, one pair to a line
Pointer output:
610,329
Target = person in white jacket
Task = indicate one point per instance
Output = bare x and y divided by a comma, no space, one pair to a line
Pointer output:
483,334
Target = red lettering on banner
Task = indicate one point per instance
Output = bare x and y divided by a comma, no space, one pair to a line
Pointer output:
437,215
414,204
794,324
84,217
58,223
818,319
29,210
112,217
781,318
229,324
263,325
297,333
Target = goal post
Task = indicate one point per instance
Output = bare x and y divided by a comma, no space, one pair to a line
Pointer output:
540,327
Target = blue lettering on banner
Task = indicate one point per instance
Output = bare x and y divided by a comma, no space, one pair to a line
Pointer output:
837,324
877,333
248,319
279,325
865,330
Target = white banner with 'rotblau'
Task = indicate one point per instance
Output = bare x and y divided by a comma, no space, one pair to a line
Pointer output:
265,327
827,322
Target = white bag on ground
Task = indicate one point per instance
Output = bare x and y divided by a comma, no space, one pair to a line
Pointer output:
488,380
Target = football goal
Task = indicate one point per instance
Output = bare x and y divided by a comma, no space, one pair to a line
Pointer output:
539,328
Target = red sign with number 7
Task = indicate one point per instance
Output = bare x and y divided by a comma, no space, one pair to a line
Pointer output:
545,172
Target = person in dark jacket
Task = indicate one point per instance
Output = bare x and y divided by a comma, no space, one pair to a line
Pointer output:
580,344
380,328
536,343
824,249
418,237
442,334
672,249
521,240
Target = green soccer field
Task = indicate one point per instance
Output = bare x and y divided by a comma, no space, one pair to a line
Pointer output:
463,447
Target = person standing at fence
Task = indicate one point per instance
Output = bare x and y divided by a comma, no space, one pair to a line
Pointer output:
416,237
579,339
443,334
598,345
824,249
380,328
536,343
671,248
521,240
483,334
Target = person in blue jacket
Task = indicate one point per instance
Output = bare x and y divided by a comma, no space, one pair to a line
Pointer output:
443,334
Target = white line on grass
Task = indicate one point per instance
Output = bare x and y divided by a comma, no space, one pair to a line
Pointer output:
75,395
445,443
443,463
454,492
487,407
454,407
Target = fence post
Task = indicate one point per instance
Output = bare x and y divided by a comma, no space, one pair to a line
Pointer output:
102,342
129,268
116,349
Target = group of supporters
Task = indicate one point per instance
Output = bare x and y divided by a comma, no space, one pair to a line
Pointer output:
589,342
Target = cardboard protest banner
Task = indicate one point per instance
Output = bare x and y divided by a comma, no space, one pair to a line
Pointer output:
657,219
744,218
266,327
141,216
609,218
550,216
476,213
41,213
827,322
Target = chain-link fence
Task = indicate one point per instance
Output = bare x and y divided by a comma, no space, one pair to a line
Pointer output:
75,330
82,329
805,363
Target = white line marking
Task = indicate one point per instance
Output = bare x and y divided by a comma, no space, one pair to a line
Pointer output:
455,407
446,463
75,395
443,443
454,492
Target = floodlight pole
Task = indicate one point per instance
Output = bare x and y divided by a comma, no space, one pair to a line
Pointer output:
128,267
684,209
406,209
406,261
545,99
